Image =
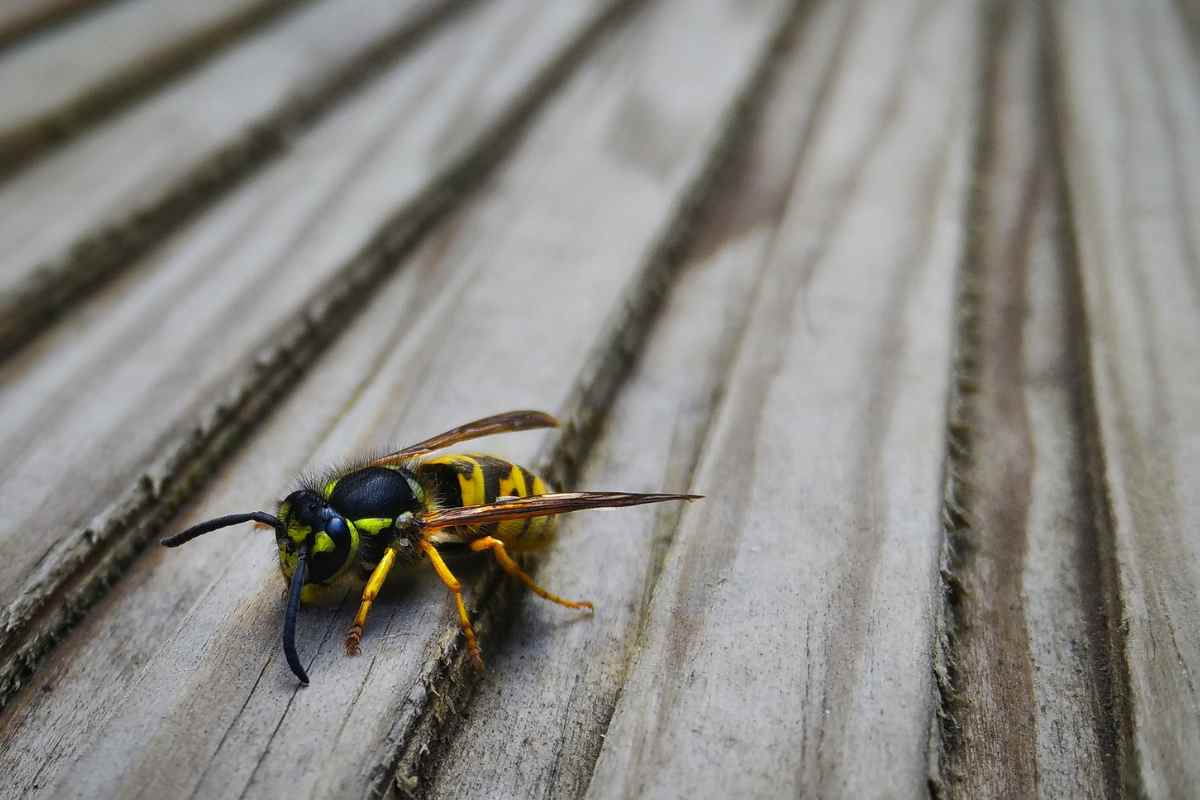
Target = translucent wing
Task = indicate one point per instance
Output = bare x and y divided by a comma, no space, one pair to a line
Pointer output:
543,505
498,423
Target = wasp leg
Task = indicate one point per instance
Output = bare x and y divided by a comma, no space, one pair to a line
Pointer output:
453,585
510,566
374,584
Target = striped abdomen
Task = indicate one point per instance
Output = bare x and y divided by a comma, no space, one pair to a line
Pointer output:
473,480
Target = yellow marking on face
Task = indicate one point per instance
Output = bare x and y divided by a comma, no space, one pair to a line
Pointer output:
323,544
298,533
287,562
372,525
539,487
327,492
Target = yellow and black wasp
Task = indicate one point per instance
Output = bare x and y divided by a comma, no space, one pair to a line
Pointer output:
404,506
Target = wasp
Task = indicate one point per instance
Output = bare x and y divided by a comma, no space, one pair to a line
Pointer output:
406,507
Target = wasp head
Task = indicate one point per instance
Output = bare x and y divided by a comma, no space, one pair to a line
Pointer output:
310,523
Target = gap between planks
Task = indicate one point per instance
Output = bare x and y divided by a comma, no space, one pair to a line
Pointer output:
1024,665
20,20
111,243
22,142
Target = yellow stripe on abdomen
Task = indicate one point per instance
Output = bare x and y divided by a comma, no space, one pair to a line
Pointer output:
474,489
526,534
471,486
513,485
480,479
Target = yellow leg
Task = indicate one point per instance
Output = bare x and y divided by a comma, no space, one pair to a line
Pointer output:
510,566
453,585
374,584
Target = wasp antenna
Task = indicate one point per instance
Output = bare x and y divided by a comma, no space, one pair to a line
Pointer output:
224,522
289,619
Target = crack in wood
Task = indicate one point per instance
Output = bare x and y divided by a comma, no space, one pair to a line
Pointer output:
229,728
961,417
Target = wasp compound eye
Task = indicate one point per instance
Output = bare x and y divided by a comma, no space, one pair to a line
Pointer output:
331,550
336,528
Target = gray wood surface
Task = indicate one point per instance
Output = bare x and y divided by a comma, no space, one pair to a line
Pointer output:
562,267
907,290
1030,714
19,19
151,398
88,68
1130,113
788,640
556,679
116,193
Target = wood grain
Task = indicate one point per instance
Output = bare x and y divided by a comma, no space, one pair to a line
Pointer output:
788,645
60,83
1028,708
1126,117
22,18
909,291
437,346
134,388
541,713
181,151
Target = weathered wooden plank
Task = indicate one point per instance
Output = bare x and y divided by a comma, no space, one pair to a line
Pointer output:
1028,712
21,18
195,670
1189,12
1128,117
542,711
56,85
789,638
135,390
181,151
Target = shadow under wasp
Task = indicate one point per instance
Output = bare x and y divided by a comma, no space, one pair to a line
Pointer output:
406,507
